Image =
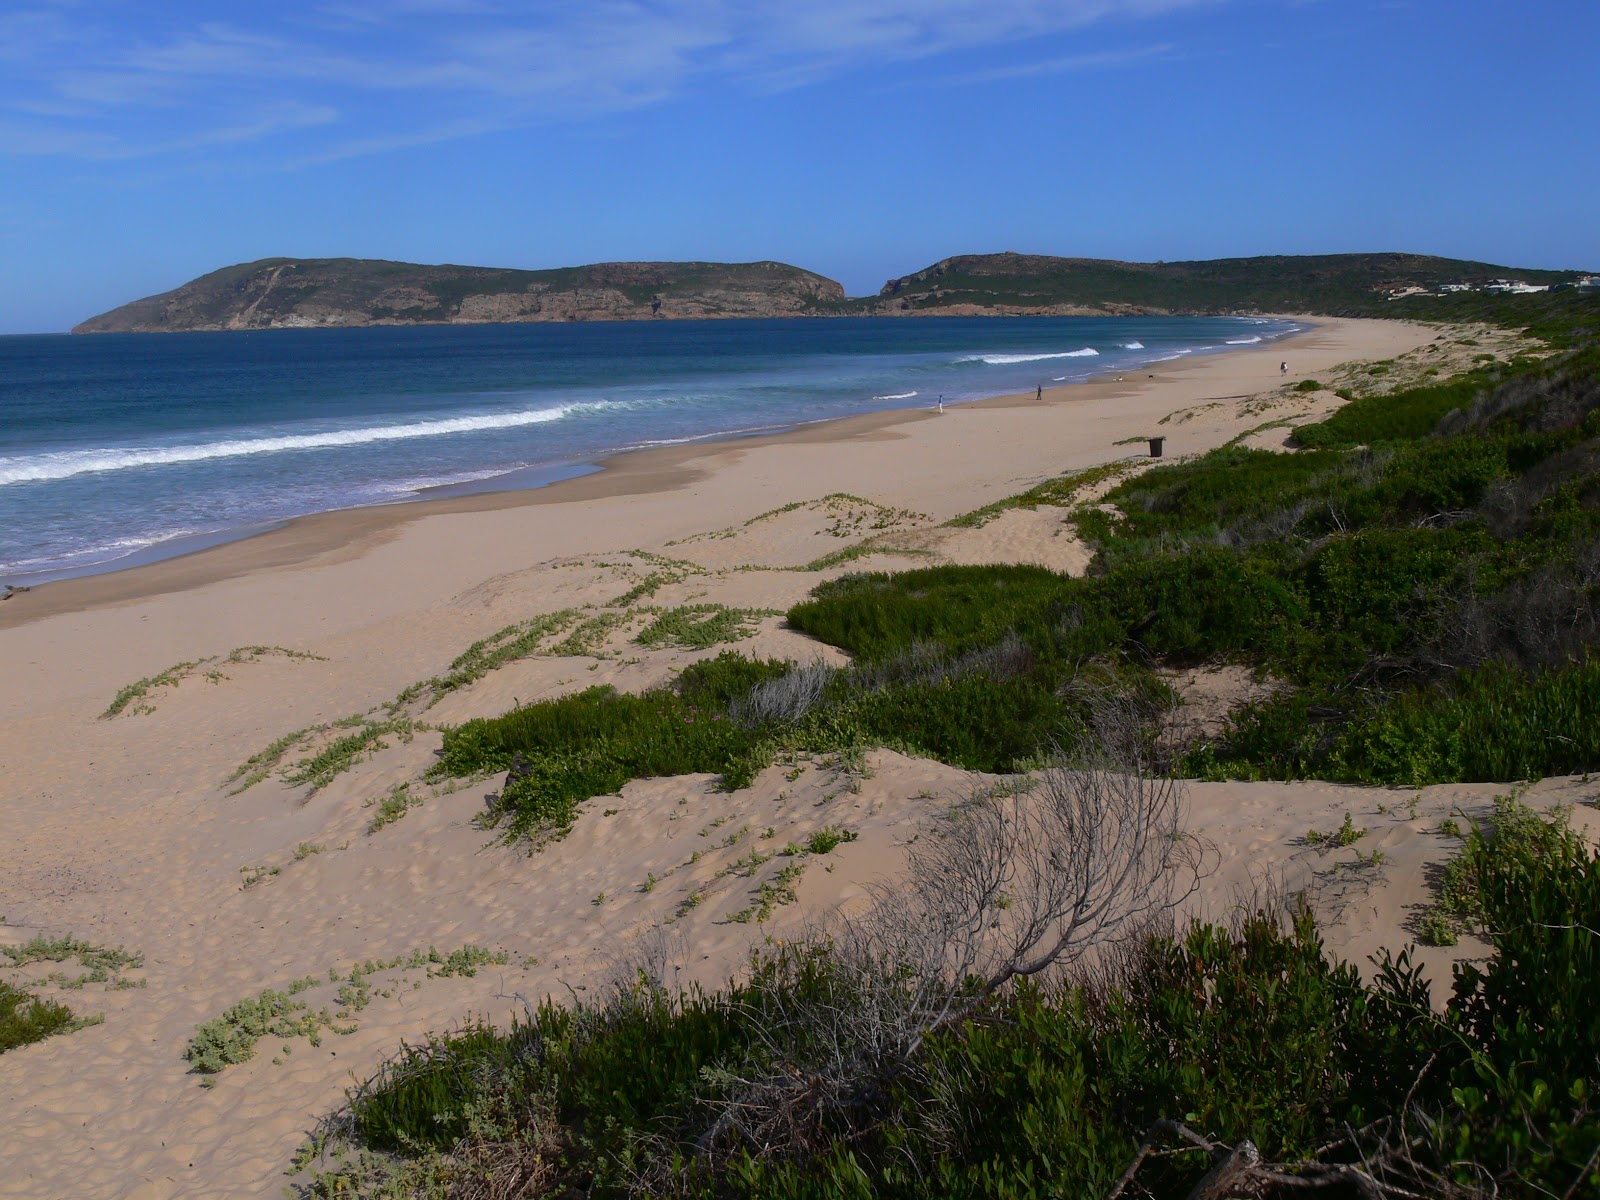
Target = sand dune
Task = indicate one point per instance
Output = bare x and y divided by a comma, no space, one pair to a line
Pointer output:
125,831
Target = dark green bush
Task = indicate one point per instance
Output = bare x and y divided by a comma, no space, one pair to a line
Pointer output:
425,1097
1399,416
1248,1031
1494,723
876,616
24,1018
973,722
592,744
1527,1089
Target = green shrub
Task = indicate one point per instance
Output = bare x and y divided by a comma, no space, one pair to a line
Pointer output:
876,616
592,744
24,1018
232,1037
425,1098
1494,723
700,626
1244,1031
1400,416
1525,1096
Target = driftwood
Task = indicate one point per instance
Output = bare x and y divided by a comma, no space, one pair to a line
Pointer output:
1235,1169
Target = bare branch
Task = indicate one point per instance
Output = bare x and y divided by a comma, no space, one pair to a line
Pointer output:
1012,883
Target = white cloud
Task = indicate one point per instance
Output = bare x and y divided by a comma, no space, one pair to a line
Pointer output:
392,73
1066,64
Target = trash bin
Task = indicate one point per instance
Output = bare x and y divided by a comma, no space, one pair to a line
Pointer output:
1155,446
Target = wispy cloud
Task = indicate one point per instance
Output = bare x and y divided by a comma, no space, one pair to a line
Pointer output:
373,77
1067,64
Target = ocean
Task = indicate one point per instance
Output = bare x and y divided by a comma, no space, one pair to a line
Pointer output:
119,448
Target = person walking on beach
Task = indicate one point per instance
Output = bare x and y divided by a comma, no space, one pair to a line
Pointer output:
941,403
1283,368
1038,392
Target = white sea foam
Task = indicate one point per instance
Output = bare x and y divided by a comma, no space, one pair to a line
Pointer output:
1249,341
100,551
648,443
1000,360
63,464
896,396
93,555
409,486
1133,345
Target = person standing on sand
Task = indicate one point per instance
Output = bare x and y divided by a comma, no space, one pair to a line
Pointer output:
1283,368
941,403
1038,393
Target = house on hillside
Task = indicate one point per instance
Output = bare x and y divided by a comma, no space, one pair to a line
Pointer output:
1514,287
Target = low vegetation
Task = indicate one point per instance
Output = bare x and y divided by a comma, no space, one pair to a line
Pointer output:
98,964
1061,492
24,1018
1422,581
283,1015
961,1072
1420,578
139,697
700,626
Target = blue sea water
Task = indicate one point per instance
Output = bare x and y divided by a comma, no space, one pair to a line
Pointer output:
116,447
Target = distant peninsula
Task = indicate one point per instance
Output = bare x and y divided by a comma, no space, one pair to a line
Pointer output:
313,293
1339,284
309,293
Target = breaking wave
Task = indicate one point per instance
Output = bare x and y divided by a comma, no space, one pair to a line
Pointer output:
63,464
1000,360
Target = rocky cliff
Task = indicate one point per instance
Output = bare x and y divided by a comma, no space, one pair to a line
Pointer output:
302,293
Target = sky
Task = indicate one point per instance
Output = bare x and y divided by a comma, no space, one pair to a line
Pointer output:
144,144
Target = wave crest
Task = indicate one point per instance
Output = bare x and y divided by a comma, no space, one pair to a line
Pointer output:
63,464
1000,360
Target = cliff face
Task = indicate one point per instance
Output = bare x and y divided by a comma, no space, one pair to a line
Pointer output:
287,293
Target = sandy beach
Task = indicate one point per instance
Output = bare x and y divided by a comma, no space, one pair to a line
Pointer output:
126,830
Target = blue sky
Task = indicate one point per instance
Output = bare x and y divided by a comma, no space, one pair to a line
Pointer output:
142,144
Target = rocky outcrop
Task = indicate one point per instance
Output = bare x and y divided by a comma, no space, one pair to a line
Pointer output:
284,293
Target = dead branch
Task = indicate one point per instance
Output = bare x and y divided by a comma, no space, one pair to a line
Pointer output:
1010,884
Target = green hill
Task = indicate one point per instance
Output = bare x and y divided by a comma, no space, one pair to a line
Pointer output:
1327,283
298,293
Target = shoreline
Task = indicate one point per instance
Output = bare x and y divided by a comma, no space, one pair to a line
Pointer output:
131,828
336,535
